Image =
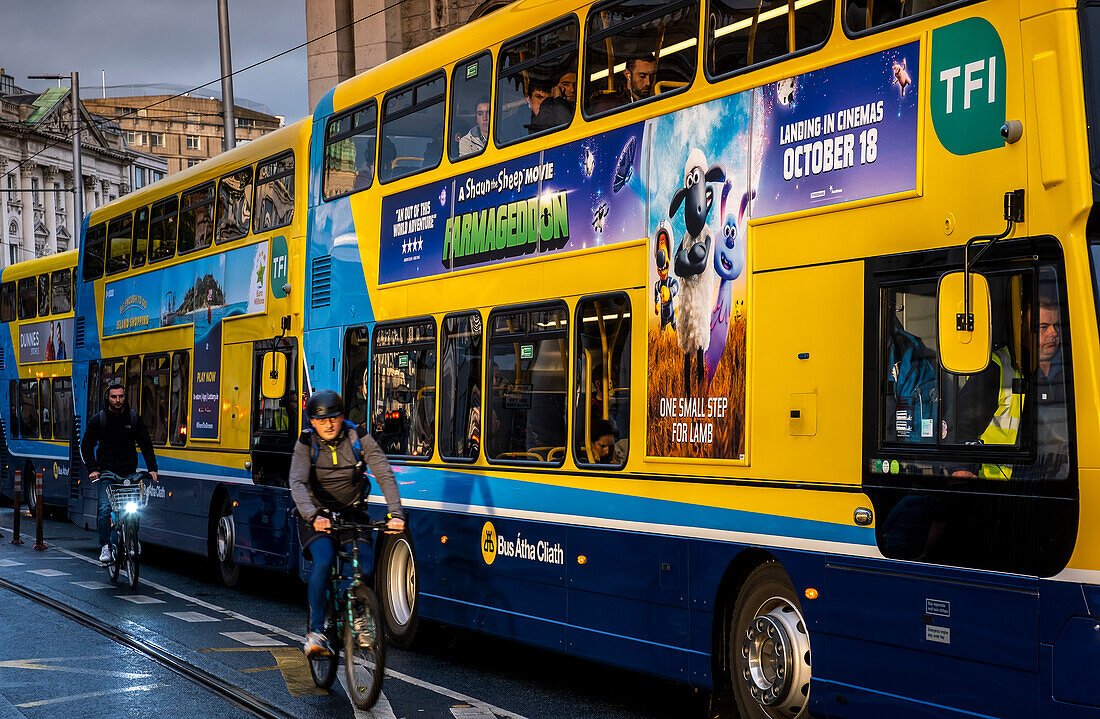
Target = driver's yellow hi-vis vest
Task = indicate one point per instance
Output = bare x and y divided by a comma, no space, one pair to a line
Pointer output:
1004,427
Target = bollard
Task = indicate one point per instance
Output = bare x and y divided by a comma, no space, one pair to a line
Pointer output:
17,509
39,545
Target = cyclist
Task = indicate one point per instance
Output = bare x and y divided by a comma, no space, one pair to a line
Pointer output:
117,430
327,472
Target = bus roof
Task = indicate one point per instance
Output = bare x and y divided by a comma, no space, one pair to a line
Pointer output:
29,268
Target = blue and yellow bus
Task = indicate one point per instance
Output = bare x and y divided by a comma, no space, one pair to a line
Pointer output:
183,289
36,386
750,345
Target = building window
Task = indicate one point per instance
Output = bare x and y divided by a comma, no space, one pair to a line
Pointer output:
193,142
194,118
137,139
192,162
156,139
246,122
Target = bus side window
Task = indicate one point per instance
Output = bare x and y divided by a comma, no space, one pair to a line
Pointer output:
471,85
460,428
402,406
28,298
357,374
44,295
13,407
631,56
274,205
181,395
141,238
61,293
120,238
234,209
412,128
349,152
45,402
63,408
162,229
741,35
94,245
527,404
28,408
531,69
154,397
196,227
601,381
133,382
7,302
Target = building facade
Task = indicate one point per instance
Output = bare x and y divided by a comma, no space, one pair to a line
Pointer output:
184,130
367,33
37,208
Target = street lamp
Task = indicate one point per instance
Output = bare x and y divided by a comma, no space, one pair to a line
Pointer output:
78,173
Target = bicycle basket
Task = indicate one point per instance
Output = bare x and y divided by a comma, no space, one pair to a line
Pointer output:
122,494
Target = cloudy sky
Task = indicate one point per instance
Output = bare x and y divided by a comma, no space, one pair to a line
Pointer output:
159,41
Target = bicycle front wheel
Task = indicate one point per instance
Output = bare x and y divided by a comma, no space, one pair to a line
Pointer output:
116,556
364,648
129,556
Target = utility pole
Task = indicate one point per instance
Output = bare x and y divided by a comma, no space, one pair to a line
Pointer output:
78,172
227,76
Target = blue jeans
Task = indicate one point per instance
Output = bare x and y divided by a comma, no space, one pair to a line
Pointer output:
103,515
323,552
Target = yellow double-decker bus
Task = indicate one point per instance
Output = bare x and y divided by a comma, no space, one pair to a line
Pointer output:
184,287
751,345
36,311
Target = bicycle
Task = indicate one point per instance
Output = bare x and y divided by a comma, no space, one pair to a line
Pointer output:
353,615
127,496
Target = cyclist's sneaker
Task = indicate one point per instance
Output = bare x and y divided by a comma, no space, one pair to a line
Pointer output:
105,553
364,630
316,646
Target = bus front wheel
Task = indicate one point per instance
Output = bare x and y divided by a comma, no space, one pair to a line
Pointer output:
223,542
396,585
769,646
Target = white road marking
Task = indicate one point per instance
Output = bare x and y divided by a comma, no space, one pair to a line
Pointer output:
253,639
192,617
299,639
48,572
39,665
468,712
76,697
139,599
10,563
94,585
380,710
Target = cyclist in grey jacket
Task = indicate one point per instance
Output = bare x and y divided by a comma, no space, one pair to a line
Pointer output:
327,472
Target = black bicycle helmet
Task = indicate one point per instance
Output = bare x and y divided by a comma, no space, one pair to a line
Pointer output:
324,403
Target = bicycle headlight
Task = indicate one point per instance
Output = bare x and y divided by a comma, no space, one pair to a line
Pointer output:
131,507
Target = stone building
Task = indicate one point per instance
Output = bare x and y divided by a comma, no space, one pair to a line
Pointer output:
36,170
184,130
369,34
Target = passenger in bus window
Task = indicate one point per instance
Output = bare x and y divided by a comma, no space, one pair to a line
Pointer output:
523,119
566,89
639,76
1051,394
607,448
474,141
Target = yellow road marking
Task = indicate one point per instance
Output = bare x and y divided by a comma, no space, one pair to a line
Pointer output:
290,661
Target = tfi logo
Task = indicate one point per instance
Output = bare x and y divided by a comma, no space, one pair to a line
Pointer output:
968,80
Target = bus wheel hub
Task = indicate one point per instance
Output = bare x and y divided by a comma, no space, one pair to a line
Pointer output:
775,657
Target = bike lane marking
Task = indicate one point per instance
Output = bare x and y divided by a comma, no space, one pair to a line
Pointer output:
90,695
380,710
297,638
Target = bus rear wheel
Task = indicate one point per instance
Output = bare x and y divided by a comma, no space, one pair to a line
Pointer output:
29,495
769,646
223,543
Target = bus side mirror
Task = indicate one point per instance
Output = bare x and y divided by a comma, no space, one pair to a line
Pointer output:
965,338
273,375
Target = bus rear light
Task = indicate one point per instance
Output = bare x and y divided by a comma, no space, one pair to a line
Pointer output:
581,559
811,593
443,539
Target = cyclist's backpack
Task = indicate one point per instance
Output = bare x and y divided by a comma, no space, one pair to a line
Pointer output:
356,447
911,367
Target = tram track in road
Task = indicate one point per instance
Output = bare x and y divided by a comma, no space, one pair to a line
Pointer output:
240,698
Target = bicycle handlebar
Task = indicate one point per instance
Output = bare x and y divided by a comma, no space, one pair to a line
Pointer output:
108,474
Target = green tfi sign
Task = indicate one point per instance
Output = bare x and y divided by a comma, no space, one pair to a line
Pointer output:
968,86
280,271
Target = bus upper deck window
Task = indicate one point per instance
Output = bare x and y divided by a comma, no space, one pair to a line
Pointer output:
119,243
412,128
274,206
868,14
349,152
741,35
28,298
61,288
44,295
631,56
7,302
141,238
94,241
196,227
537,75
234,207
471,85
162,229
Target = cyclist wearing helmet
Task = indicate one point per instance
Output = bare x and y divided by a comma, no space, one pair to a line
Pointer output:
327,472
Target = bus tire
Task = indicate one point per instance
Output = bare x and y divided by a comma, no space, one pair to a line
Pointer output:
397,587
29,495
769,647
223,542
